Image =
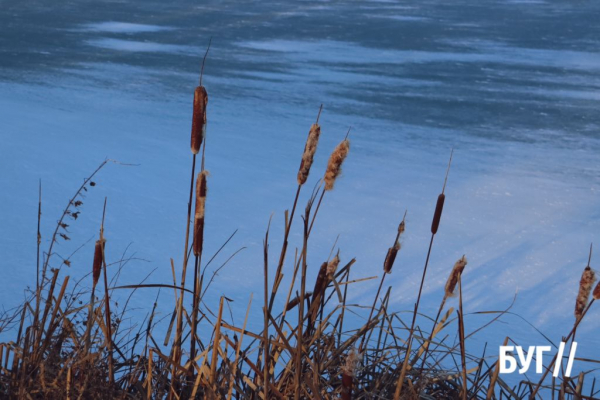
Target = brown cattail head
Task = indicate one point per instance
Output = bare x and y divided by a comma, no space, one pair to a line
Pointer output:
199,118
334,166
585,287
199,215
320,283
437,215
596,293
455,275
391,257
309,153
98,258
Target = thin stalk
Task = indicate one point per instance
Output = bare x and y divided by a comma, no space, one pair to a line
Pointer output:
283,250
111,373
178,333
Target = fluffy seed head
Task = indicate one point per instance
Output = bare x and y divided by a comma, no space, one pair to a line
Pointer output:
199,118
334,166
199,215
585,287
332,266
351,364
309,153
455,275
98,257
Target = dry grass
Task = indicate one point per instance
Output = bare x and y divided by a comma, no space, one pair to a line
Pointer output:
65,346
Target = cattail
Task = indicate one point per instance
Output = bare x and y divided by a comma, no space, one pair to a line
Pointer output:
309,152
98,258
199,118
391,257
332,266
325,276
455,275
334,166
437,215
348,373
585,287
596,293
352,362
320,283
393,251
199,216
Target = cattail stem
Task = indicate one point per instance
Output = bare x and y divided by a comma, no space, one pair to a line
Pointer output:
434,228
283,250
111,376
39,242
179,330
316,210
299,344
362,342
266,315
387,268
307,158
461,335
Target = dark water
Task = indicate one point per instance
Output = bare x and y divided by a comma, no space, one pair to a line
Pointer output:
489,68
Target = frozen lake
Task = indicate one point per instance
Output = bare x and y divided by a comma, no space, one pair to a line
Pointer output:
512,86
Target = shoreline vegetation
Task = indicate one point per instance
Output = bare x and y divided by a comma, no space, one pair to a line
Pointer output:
69,344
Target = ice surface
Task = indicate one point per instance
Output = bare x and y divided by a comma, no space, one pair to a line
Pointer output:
122,27
513,88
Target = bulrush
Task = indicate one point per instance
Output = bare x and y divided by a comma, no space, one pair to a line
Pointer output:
334,166
309,153
326,274
596,293
393,251
348,373
98,257
199,118
199,215
585,287
390,258
457,271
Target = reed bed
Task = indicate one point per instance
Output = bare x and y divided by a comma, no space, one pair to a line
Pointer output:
67,344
